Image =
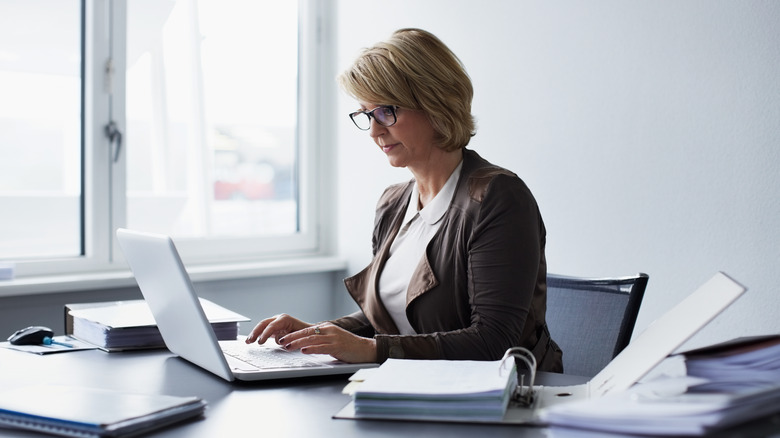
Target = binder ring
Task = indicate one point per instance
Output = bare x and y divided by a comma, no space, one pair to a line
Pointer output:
523,394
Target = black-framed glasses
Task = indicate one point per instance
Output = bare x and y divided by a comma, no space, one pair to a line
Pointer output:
383,114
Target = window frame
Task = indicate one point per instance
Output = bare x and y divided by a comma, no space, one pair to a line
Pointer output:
104,207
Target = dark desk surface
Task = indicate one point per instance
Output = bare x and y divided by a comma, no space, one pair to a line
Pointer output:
284,408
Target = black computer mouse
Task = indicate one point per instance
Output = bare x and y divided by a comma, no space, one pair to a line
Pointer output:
31,335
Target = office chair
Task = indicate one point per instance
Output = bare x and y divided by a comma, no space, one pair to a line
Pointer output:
592,319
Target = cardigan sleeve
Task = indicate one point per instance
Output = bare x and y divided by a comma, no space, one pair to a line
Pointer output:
356,323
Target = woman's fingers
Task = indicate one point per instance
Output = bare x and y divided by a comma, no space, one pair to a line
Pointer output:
329,339
276,327
314,330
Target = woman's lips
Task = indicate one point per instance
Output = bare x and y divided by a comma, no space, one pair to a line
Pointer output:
386,148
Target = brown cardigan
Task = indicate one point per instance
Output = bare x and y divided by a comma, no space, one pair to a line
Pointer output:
480,289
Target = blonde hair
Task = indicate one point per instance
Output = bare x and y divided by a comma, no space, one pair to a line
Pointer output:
414,69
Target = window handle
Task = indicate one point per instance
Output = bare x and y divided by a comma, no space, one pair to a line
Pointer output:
114,135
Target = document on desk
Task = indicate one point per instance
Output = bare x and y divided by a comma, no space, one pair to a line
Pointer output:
130,325
726,384
61,344
436,390
669,406
741,359
90,412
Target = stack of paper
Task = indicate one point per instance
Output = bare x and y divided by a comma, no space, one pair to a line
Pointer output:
436,390
124,325
754,359
658,408
727,384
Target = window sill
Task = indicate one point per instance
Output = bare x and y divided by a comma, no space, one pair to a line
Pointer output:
124,278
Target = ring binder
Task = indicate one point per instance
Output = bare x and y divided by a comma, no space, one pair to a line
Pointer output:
435,390
522,395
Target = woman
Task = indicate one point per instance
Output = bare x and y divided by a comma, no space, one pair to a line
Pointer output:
459,270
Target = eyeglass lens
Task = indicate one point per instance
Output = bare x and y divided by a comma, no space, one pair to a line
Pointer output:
384,115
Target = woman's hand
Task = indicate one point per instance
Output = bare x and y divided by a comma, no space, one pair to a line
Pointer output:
330,339
275,327
325,338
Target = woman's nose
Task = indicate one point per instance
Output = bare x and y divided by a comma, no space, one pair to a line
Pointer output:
375,129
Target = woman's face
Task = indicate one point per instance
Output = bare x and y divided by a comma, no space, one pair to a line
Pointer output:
407,143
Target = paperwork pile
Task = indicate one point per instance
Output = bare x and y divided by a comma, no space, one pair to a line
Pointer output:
727,384
128,325
436,390
753,359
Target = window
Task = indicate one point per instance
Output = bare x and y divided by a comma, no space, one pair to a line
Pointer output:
181,117
40,129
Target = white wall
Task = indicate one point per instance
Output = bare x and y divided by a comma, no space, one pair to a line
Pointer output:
648,131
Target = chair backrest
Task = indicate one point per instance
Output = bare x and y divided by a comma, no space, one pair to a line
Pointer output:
592,319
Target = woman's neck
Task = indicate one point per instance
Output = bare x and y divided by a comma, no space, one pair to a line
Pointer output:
432,177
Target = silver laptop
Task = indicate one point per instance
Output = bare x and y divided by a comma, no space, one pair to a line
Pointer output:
168,290
645,352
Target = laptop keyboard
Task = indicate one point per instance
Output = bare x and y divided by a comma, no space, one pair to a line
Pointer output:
269,358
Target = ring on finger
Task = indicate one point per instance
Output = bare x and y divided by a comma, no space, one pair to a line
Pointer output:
316,330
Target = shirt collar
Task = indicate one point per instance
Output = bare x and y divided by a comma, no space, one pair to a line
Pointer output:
434,211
